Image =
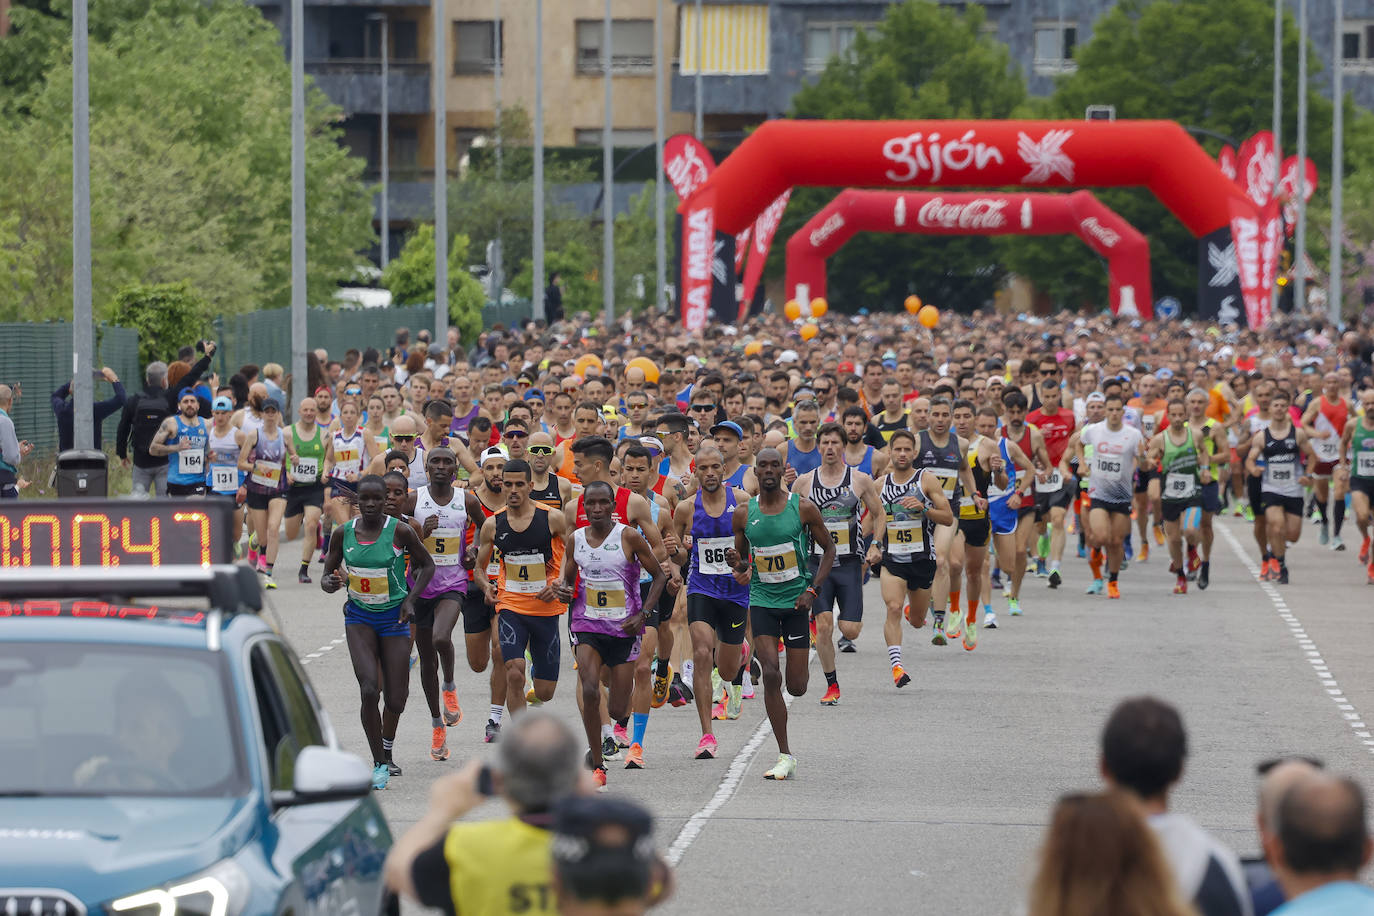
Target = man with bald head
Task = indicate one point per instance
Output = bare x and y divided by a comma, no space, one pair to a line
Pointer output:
547,489
1276,778
404,435
1320,846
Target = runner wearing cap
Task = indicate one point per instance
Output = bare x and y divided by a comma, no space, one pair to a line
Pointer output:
727,436
223,479
263,456
305,449
182,438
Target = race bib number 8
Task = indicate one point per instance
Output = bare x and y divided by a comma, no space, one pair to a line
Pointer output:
776,563
445,546
525,573
711,555
605,599
369,585
191,463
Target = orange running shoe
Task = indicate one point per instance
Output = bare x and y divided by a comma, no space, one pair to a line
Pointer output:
899,677
832,696
906,612
1113,590
1181,586
599,777
1159,535
1364,550
634,757
453,713
1144,555
812,627
438,746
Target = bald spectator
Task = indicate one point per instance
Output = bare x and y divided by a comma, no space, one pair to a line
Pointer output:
1277,777
1320,847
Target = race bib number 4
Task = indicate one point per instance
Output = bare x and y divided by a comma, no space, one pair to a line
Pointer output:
369,585
267,474
305,470
223,478
605,599
445,546
191,463
776,563
525,573
711,555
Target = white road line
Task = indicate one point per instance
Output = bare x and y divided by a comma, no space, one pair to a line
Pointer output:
734,775
1346,709
306,659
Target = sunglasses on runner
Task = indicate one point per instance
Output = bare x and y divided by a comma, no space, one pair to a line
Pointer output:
540,449
515,434
402,438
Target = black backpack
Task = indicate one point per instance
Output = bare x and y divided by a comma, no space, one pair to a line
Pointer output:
149,412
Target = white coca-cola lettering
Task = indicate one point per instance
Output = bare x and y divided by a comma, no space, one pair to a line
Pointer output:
979,213
917,153
766,226
700,245
1107,237
833,223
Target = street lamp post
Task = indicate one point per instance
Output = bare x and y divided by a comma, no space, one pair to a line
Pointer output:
607,190
1276,127
538,271
299,326
1300,237
386,135
440,176
83,331
1333,298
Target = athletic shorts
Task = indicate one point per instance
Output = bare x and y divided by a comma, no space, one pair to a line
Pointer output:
1322,470
231,498
341,488
425,607
919,574
1254,492
1174,508
661,612
477,614
301,497
844,586
788,624
384,623
1291,505
977,531
1143,477
1004,518
518,632
1115,508
1363,485
725,617
1059,499
261,501
1211,497
185,489
614,650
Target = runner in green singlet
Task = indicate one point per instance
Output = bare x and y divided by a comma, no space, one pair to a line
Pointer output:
305,446
1184,470
1357,459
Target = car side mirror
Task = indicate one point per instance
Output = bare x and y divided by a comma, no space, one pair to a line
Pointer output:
326,774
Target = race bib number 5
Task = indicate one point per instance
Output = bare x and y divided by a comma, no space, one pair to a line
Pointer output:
444,545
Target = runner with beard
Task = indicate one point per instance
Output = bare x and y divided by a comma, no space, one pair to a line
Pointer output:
1324,421
771,531
1212,435
183,438
945,456
443,513
858,454
479,615
1054,495
969,553
546,488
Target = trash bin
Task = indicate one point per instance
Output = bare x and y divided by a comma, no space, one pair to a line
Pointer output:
82,472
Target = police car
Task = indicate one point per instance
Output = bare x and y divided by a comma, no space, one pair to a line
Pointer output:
163,752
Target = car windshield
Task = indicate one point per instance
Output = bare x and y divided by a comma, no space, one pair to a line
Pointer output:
111,720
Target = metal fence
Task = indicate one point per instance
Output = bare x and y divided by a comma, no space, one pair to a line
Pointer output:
39,357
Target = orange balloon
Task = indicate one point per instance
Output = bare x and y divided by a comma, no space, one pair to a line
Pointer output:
819,307
649,366
585,362
928,316
913,304
792,309
753,348
809,331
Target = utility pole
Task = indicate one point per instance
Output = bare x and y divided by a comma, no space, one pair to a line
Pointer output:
660,195
1333,298
498,39
697,81
1300,239
607,184
440,176
83,326
1276,126
537,278
386,136
299,324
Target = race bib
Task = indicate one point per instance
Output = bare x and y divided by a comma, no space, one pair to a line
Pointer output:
1106,465
305,470
839,533
224,478
267,474
1281,473
1054,482
711,555
905,538
1364,464
525,573
347,461
776,563
949,479
1328,450
1179,486
191,463
605,599
369,585
445,545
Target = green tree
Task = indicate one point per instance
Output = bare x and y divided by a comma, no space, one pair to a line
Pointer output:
578,265
190,155
635,251
160,313
410,278
924,60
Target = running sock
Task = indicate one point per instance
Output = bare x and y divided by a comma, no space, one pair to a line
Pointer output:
1338,517
623,722
1042,546
688,668
269,568
1321,508
1112,576
436,722
894,655
387,745
954,601
662,669
641,723
831,680
495,715
606,732
1054,566
1095,563
449,685
972,616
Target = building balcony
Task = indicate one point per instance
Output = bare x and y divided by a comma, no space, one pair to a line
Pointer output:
355,84
753,94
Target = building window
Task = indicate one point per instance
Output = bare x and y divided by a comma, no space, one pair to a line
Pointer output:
1054,47
1357,45
632,46
630,137
475,43
405,148
405,39
825,40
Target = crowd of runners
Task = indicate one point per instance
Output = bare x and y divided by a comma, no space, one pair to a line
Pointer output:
705,510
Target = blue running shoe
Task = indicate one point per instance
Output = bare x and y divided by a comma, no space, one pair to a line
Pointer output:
1095,588
381,776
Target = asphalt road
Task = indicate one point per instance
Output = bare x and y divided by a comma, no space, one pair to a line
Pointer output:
935,798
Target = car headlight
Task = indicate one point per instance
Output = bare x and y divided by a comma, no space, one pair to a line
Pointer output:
220,890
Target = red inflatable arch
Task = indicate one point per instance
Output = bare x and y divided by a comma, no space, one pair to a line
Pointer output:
987,154
992,213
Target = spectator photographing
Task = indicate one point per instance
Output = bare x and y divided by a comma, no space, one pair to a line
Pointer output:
1143,748
63,408
1321,845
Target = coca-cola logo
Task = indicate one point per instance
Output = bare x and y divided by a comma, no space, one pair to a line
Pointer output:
979,213
1106,237
833,223
919,153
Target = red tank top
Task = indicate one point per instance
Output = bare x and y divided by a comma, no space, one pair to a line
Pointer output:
621,514
1336,413
1024,443
1056,429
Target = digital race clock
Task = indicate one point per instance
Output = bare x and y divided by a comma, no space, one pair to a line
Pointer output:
76,532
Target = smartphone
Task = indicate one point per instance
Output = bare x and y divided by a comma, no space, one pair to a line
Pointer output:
485,784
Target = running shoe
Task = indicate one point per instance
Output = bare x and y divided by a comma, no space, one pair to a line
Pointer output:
1041,570
846,644
661,683
785,768
1181,585
899,677
1324,537
718,711
1056,580
906,612
1364,550
1248,514
1128,548
621,735
1113,590
238,550
1194,561
609,748
971,636
997,579
684,692
1369,574
532,698
812,628
832,696
1283,574
599,777
717,687
989,617
1204,575
262,563
1337,543
324,555
734,703
392,768
303,577
748,691
954,624
706,747
492,733
438,745
268,582
381,775
1264,570
453,713
1159,535
939,638
1014,606
1095,587
1082,551
634,757
1145,552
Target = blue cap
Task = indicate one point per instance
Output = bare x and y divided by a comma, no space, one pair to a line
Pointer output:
536,394
1164,373
272,404
889,364
728,426
223,403
185,392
